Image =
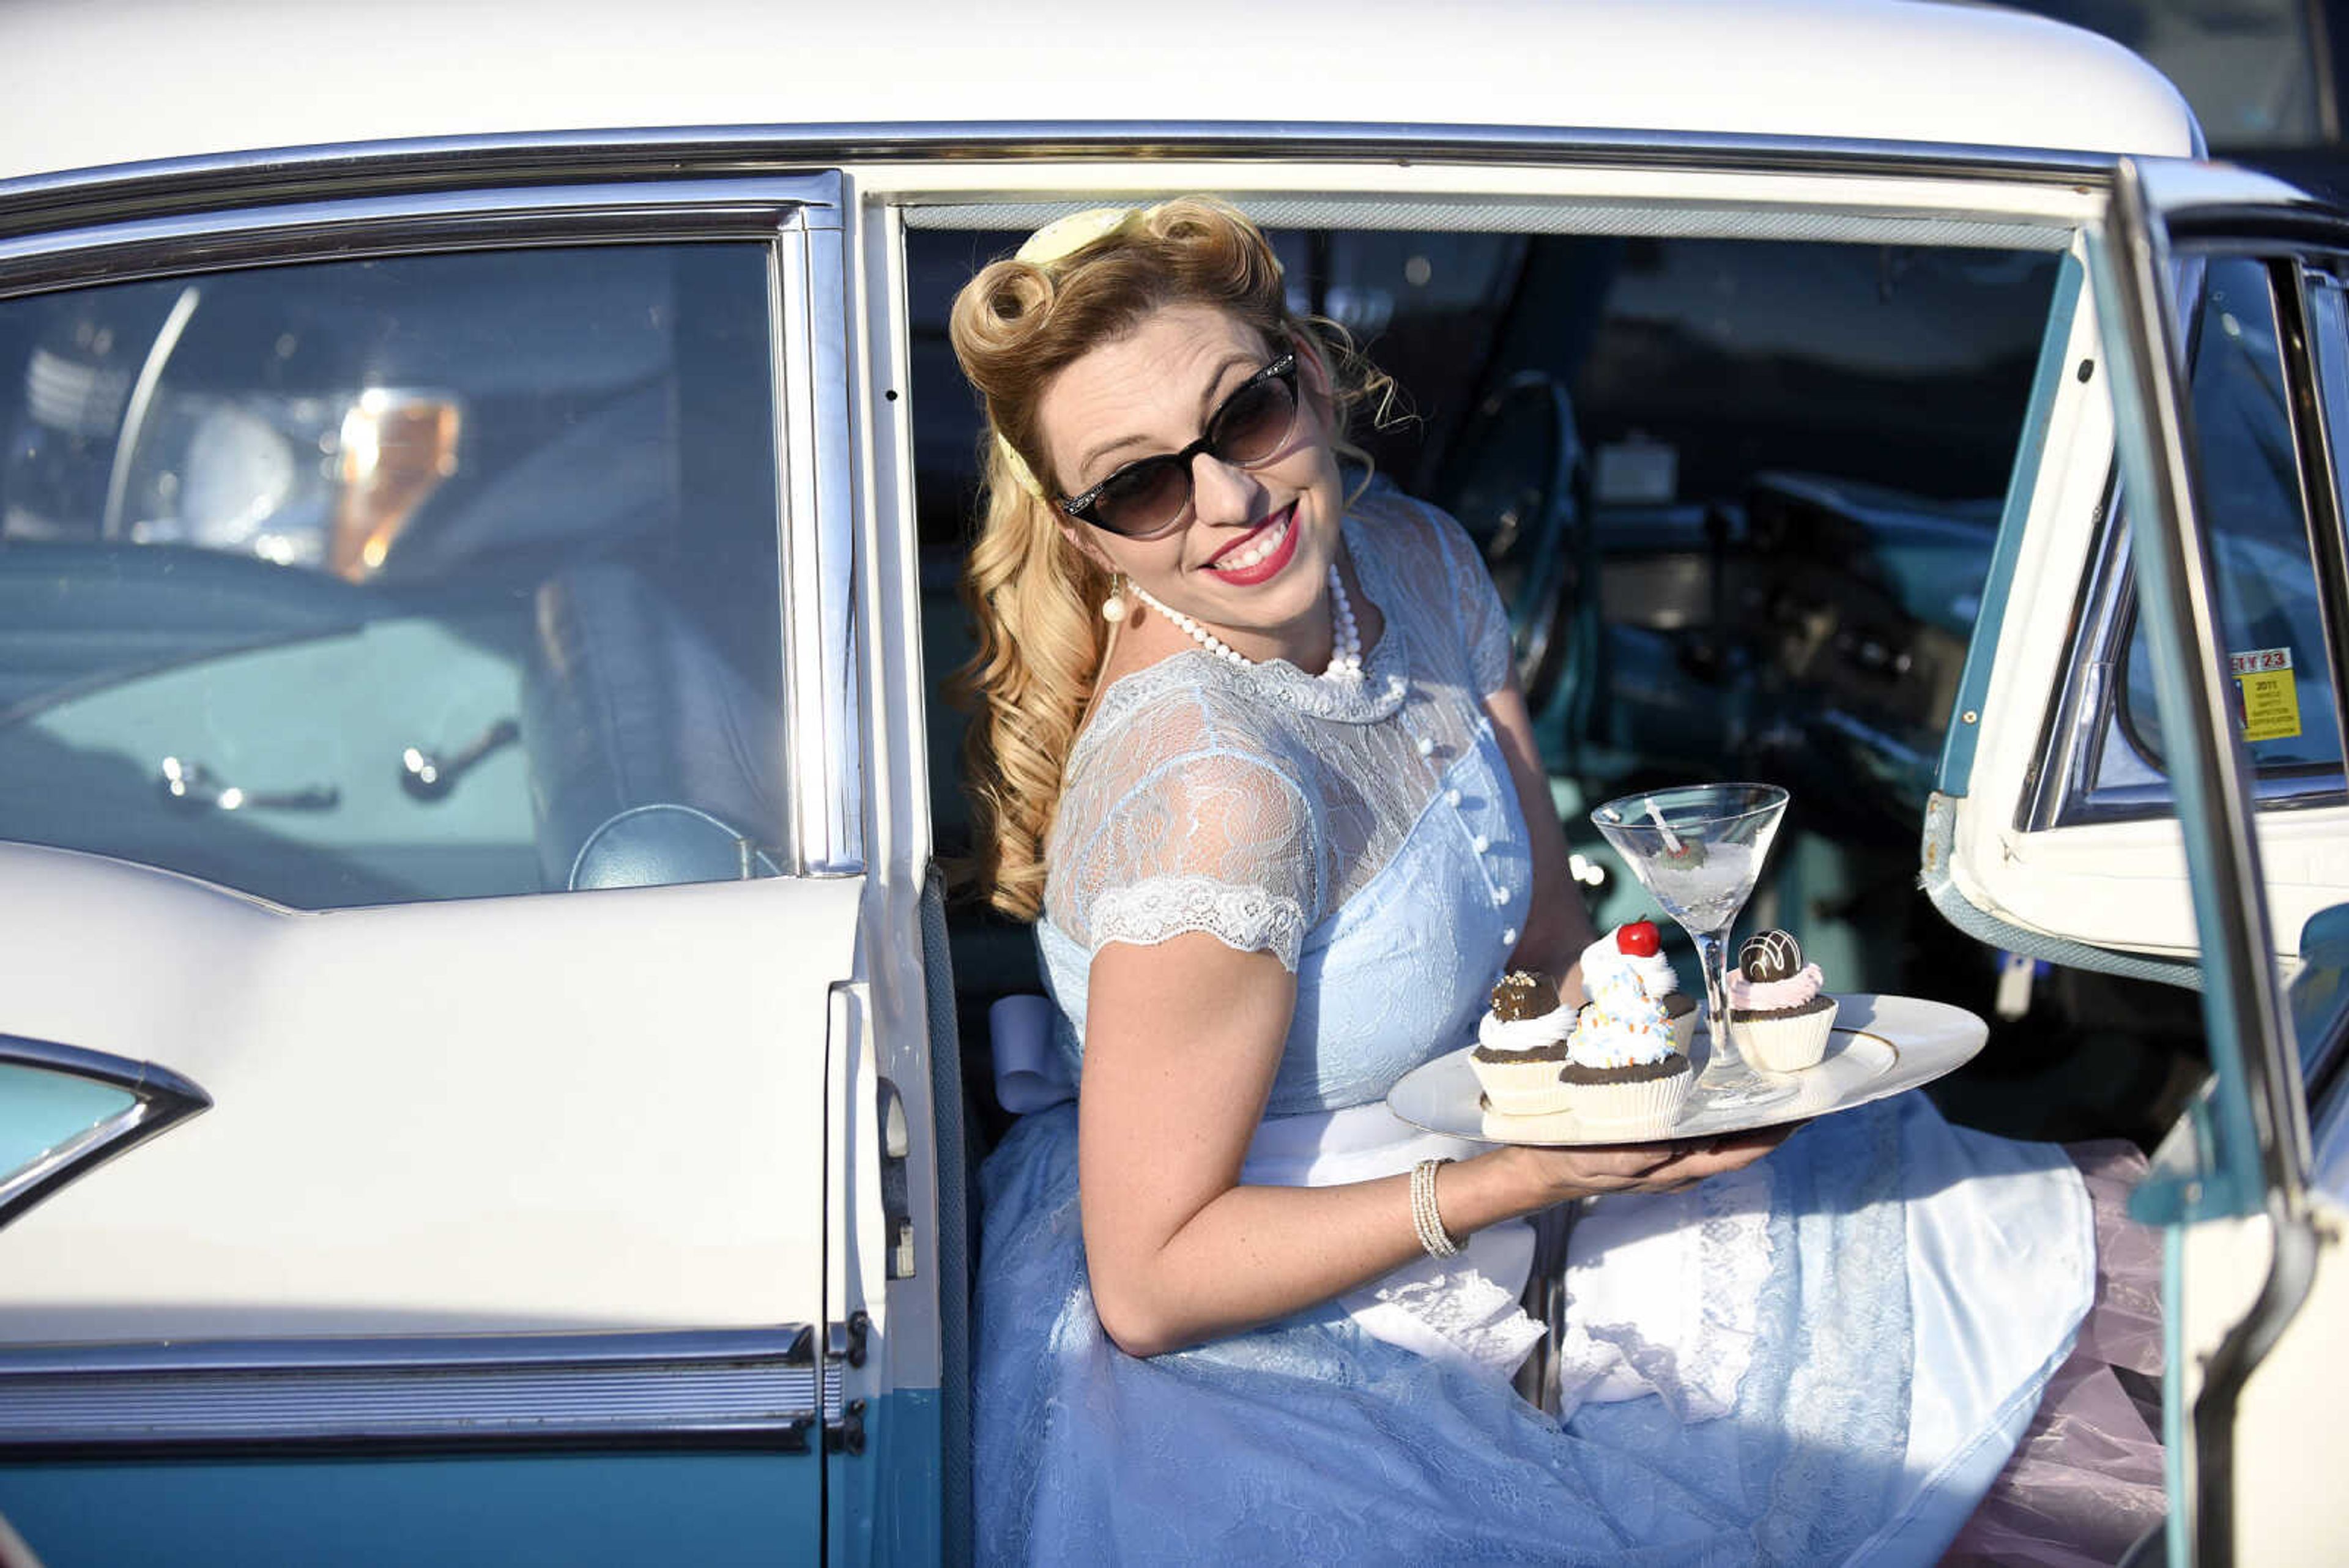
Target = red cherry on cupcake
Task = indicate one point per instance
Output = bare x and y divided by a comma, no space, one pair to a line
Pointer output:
1639,939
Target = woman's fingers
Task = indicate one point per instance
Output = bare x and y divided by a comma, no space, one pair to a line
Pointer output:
1665,1167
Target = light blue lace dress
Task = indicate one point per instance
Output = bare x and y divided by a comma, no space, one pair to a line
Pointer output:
1805,1384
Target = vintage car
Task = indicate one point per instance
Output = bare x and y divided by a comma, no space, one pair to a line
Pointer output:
487,1070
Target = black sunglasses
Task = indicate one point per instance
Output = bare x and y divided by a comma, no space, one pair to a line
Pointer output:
1147,499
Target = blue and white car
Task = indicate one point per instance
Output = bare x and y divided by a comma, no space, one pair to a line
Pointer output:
487,1072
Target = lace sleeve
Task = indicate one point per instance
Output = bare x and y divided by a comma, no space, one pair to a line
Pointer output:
1483,622
1214,841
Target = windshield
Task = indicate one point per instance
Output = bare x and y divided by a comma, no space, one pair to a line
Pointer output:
2249,68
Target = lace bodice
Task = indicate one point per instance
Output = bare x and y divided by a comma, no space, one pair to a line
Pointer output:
1374,828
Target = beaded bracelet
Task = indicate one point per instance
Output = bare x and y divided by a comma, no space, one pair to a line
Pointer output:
1424,1217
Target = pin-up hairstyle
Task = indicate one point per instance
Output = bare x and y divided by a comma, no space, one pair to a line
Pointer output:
1079,283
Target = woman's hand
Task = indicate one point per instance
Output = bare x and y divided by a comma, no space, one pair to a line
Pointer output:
1595,1168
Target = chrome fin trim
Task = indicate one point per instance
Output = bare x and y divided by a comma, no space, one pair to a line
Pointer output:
162,1099
757,1388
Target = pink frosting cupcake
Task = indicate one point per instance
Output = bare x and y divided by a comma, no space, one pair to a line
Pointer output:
1779,1019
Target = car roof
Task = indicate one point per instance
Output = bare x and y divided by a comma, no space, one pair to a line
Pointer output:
88,83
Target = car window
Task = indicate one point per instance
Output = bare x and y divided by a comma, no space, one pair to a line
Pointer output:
375,581
2268,605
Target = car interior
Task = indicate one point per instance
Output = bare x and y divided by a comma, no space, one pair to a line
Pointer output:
1739,496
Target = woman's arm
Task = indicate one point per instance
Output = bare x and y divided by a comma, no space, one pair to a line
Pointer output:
1181,1044
1557,927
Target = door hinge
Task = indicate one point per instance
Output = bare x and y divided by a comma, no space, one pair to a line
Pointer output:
845,1340
844,1433
846,1345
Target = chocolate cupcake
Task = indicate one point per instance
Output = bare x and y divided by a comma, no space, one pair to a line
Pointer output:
1521,1045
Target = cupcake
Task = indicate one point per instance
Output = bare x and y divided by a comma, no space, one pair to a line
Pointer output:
1778,1017
1521,1045
1622,1066
1640,947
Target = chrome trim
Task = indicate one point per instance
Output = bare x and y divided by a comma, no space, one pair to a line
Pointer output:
400,223
111,193
2176,571
163,1100
2317,337
816,458
2144,802
1789,217
2063,773
735,1387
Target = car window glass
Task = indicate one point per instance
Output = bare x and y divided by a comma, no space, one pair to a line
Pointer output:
2248,66
2250,494
416,578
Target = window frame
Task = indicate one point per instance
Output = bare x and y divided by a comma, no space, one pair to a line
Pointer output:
2089,718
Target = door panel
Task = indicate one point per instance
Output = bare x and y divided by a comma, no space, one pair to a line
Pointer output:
409,633
712,1511
504,1114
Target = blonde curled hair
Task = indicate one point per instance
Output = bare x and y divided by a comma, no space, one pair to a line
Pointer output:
1035,597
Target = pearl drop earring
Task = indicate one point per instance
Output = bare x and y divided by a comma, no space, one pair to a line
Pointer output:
1112,609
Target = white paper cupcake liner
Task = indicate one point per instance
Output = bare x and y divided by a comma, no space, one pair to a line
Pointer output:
1784,1044
1653,1102
1523,1088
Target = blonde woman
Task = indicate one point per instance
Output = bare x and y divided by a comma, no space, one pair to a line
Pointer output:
1250,753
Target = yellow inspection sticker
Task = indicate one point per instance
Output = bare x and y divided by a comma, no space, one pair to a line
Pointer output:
2267,701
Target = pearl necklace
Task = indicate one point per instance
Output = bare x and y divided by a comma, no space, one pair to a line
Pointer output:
1346,641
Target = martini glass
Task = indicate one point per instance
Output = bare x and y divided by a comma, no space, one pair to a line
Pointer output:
1698,850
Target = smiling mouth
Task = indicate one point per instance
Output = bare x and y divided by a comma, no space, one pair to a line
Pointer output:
1257,547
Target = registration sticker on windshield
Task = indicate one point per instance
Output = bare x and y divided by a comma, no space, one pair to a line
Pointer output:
2267,702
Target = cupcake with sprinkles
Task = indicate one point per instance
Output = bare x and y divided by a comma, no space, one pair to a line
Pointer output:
1639,946
1779,1018
1622,1064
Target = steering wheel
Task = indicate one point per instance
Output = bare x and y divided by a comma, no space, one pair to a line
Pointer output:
1518,482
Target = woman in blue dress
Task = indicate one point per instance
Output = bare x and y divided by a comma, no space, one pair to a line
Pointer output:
1251,754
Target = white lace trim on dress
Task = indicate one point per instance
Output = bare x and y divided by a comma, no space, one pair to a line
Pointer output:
1663,1296
1246,919
1448,1313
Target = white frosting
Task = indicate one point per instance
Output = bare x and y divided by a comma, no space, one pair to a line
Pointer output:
1655,972
1496,1033
1623,1025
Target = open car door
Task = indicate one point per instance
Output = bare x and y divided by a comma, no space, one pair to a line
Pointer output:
2162,793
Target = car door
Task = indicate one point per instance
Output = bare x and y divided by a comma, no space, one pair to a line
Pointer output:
2145,776
430,810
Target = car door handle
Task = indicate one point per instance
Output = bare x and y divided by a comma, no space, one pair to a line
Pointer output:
428,775
189,785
